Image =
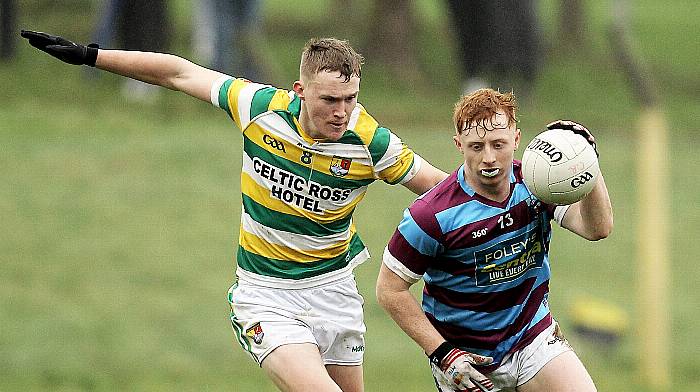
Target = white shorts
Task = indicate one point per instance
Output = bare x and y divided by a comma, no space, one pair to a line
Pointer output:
329,316
518,368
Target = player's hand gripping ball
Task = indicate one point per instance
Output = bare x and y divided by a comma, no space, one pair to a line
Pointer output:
560,165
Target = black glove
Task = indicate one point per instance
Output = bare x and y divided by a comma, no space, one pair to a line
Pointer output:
577,129
62,49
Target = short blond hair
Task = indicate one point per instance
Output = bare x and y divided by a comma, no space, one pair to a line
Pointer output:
332,55
481,106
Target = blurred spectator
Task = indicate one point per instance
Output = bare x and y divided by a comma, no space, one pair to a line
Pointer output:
105,31
8,29
144,25
391,38
499,43
203,15
225,33
135,25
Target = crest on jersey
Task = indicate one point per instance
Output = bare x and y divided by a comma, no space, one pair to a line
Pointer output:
340,166
256,333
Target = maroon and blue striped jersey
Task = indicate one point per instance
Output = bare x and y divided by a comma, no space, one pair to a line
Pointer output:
485,264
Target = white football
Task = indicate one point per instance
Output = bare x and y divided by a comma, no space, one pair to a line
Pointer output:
560,167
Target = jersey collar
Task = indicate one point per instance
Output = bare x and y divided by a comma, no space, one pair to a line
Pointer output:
472,193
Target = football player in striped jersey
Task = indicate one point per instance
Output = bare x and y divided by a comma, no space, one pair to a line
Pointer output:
309,155
480,242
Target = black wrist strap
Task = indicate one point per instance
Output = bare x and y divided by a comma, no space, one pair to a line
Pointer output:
91,55
441,352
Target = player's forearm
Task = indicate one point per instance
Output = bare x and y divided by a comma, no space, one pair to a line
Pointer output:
394,296
155,68
596,212
406,312
170,71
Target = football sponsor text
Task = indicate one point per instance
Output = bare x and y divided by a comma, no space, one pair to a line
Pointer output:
509,259
296,190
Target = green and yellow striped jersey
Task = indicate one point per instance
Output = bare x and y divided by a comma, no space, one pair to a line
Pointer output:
299,194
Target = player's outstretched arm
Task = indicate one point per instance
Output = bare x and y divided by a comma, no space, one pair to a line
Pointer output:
173,72
169,71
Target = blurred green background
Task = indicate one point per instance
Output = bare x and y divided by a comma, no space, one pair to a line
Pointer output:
120,217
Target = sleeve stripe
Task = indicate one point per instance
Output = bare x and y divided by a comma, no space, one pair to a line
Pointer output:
410,173
379,144
409,256
559,213
219,93
399,269
261,101
416,237
395,148
215,95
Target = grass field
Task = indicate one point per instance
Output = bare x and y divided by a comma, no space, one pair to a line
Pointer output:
120,219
